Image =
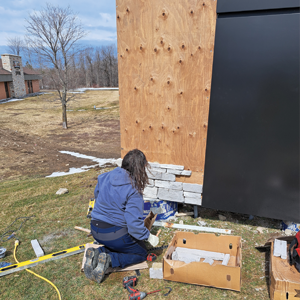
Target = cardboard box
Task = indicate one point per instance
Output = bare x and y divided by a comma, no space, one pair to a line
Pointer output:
284,279
216,275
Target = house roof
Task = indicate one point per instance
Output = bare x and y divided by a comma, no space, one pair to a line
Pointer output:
29,71
4,72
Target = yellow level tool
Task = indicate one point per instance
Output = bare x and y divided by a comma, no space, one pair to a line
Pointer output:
90,208
33,262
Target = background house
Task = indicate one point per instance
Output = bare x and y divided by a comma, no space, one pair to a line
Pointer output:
15,80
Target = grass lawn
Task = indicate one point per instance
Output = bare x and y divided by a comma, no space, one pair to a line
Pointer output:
53,225
34,126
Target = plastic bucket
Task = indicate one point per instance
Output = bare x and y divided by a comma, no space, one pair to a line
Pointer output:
164,209
290,225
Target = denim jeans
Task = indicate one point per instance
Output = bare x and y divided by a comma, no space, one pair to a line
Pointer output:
124,251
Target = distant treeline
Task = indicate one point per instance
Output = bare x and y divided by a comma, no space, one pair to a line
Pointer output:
90,67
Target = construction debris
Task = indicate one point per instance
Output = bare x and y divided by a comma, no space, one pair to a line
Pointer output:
184,214
260,229
37,248
280,248
288,232
2,252
190,255
191,227
201,223
156,271
83,229
62,191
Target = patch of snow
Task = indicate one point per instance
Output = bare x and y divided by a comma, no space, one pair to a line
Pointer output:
100,162
96,89
71,171
10,100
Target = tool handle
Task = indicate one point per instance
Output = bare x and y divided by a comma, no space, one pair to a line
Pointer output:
158,232
130,289
83,229
137,296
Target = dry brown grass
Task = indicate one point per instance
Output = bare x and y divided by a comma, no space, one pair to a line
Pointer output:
42,114
31,133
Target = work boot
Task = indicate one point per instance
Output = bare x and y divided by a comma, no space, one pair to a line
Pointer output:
91,261
104,262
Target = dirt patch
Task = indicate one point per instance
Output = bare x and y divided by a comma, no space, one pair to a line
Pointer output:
30,143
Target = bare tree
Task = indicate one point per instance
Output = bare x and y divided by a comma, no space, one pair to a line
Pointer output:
109,65
53,34
15,45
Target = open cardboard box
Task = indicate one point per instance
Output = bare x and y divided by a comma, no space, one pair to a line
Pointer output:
216,275
284,279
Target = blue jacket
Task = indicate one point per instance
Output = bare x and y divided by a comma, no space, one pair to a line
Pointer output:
117,202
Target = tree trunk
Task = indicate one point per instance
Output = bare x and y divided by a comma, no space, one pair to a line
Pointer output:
64,115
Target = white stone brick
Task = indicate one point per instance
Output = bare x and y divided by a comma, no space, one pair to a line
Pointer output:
156,273
186,173
151,182
162,184
160,170
191,195
192,187
154,164
150,192
171,195
37,248
175,167
172,171
168,185
161,176
194,201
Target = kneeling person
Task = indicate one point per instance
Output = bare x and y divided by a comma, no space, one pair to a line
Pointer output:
117,218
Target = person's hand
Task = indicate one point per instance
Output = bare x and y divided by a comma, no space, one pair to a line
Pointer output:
153,240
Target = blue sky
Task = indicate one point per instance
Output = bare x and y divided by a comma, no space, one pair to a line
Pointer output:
98,17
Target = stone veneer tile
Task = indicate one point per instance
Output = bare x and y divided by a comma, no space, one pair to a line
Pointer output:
169,185
192,187
170,195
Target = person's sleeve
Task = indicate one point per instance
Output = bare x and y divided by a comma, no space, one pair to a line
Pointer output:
134,217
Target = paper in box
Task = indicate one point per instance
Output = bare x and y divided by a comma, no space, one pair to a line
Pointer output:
215,275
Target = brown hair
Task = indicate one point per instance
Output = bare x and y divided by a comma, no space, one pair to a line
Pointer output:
135,163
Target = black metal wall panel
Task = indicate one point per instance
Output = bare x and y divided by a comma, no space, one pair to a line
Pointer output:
227,6
252,154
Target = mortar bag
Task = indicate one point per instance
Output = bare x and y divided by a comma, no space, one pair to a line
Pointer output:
294,252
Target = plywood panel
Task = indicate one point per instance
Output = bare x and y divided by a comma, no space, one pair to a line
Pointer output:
165,51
